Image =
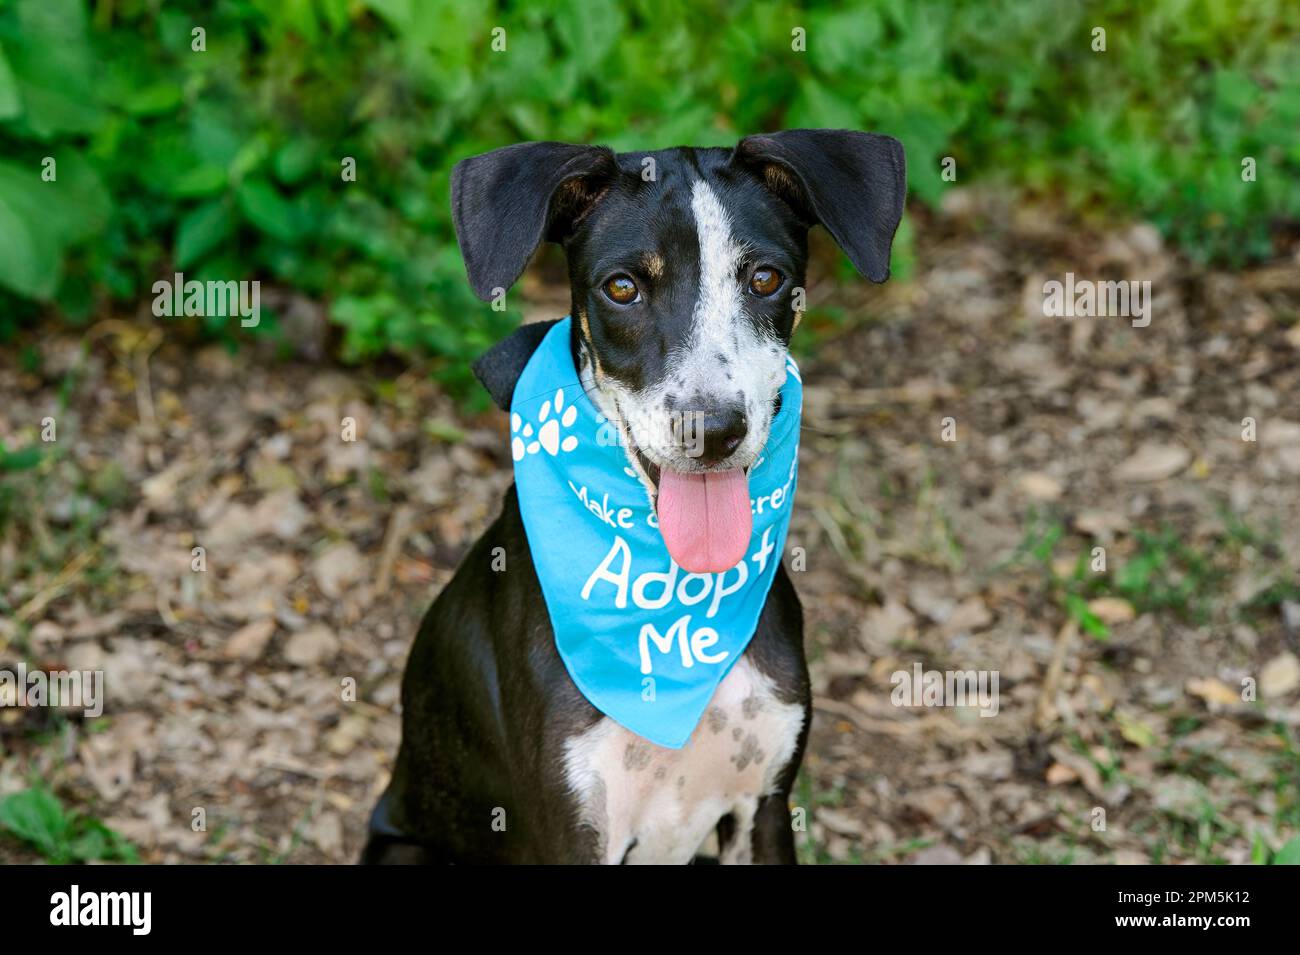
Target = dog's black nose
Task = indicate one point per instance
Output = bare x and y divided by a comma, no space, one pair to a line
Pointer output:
718,434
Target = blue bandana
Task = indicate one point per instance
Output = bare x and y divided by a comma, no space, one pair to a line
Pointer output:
645,642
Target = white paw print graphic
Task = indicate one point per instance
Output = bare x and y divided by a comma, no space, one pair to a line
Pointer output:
547,435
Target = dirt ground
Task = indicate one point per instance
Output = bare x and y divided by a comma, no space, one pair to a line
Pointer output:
1121,733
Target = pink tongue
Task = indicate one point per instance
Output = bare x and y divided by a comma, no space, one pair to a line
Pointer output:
705,518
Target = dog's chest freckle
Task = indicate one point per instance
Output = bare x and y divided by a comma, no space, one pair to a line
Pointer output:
749,752
637,756
717,719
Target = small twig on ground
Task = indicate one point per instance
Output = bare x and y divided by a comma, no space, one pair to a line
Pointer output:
144,396
1046,712
910,727
399,527
65,576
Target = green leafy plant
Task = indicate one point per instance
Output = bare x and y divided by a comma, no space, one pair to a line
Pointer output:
37,817
23,460
1167,574
1261,854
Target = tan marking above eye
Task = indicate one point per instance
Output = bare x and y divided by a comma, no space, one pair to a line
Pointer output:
765,281
621,289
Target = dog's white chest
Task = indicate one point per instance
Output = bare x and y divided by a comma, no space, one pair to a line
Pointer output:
650,804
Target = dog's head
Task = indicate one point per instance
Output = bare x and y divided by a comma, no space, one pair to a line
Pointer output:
684,266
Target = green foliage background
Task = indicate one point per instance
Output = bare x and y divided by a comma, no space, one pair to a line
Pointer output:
226,163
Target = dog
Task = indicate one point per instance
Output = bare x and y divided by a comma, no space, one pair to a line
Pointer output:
686,268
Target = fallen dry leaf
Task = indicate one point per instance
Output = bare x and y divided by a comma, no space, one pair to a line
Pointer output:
1136,732
1112,610
1058,774
1214,691
1040,486
1154,462
1280,676
338,568
248,642
309,647
970,616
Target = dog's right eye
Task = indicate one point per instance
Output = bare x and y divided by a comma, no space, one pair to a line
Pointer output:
766,281
621,290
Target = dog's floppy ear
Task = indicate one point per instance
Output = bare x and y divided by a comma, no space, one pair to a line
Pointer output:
852,183
500,366
504,203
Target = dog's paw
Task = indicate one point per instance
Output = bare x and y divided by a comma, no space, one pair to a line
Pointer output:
551,418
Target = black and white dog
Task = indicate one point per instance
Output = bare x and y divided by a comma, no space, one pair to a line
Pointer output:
684,266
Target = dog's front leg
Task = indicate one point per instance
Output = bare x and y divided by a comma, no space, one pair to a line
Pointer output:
773,835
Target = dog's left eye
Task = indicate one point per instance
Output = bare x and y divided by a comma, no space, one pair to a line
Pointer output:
621,290
765,281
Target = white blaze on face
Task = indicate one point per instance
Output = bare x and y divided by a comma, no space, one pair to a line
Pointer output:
725,361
